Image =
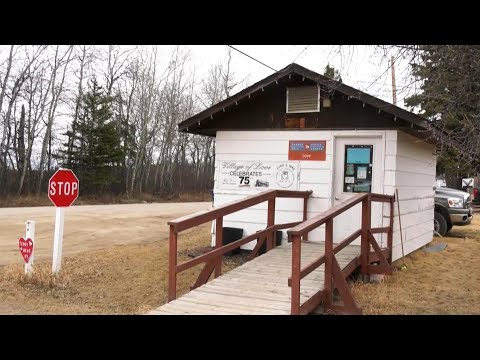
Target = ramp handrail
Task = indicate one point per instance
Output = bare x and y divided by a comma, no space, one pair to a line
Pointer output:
213,259
334,275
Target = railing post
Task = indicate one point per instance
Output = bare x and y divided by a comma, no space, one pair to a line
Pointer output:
305,203
172,264
328,262
218,244
296,264
365,245
270,222
390,231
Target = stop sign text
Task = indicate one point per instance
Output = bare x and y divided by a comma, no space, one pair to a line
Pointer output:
63,188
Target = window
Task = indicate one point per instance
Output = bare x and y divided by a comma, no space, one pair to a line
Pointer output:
357,172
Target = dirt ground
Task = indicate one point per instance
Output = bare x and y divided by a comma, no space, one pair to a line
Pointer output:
89,227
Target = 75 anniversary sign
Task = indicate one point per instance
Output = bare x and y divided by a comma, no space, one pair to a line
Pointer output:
258,175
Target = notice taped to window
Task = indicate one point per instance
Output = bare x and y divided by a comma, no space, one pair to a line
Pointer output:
260,175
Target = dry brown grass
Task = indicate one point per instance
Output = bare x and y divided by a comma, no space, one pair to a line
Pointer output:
25,200
43,200
132,279
125,279
447,282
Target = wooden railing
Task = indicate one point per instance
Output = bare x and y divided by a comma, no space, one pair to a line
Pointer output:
213,259
335,277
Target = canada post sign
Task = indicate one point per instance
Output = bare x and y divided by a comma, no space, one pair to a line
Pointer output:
307,150
259,175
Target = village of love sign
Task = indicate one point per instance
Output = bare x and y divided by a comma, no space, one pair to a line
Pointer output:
259,175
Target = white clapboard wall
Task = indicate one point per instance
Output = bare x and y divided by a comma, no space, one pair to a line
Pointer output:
408,165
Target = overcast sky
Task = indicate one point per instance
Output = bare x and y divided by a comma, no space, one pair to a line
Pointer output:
360,66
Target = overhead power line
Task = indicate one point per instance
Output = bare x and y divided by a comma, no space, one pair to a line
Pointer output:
306,47
241,52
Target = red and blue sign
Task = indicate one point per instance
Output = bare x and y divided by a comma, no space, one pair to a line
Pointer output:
307,150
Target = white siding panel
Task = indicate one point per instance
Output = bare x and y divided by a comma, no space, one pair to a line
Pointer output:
390,162
413,232
390,147
411,178
391,135
317,205
280,203
315,176
411,245
260,216
413,148
412,219
416,166
414,179
389,178
327,164
389,190
322,191
414,206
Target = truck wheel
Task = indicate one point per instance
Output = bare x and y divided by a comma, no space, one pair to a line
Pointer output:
449,227
440,224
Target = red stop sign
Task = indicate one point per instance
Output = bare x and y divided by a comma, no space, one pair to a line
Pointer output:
63,187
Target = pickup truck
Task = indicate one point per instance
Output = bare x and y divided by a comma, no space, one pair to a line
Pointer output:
452,207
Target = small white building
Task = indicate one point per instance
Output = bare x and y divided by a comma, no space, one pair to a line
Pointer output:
299,130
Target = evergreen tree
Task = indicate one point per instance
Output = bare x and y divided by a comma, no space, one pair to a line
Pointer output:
94,148
450,99
332,73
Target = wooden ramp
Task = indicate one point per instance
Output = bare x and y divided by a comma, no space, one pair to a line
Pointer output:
258,287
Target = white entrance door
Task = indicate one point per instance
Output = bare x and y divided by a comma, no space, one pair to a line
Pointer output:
358,167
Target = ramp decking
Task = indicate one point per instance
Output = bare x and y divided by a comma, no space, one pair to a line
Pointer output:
258,287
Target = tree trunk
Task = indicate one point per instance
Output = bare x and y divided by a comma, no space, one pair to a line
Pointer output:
21,149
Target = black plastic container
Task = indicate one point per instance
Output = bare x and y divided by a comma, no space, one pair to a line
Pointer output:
278,242
231,234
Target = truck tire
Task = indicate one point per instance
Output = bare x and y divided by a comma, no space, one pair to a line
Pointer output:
449,227
440,224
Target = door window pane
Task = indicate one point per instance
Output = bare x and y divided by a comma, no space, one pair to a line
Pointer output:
357,173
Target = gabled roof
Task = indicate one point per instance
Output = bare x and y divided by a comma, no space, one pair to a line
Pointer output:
328,84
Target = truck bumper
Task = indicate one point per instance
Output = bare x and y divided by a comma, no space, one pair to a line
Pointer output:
462,219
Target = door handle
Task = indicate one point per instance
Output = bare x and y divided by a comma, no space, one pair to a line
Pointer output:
337,198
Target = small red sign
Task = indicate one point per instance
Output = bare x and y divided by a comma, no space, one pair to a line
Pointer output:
26,248
307,150
63,187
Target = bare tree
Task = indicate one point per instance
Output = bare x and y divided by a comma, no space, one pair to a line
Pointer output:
36,96
41,91
116,65
23,73
2,95
56,93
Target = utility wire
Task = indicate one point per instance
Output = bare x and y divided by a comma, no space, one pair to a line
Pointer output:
241,52
306,47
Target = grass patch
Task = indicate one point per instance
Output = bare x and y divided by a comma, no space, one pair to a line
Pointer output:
102,199
447,282
133,279
124,279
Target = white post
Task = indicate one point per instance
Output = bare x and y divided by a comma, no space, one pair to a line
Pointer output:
30,233
58,239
